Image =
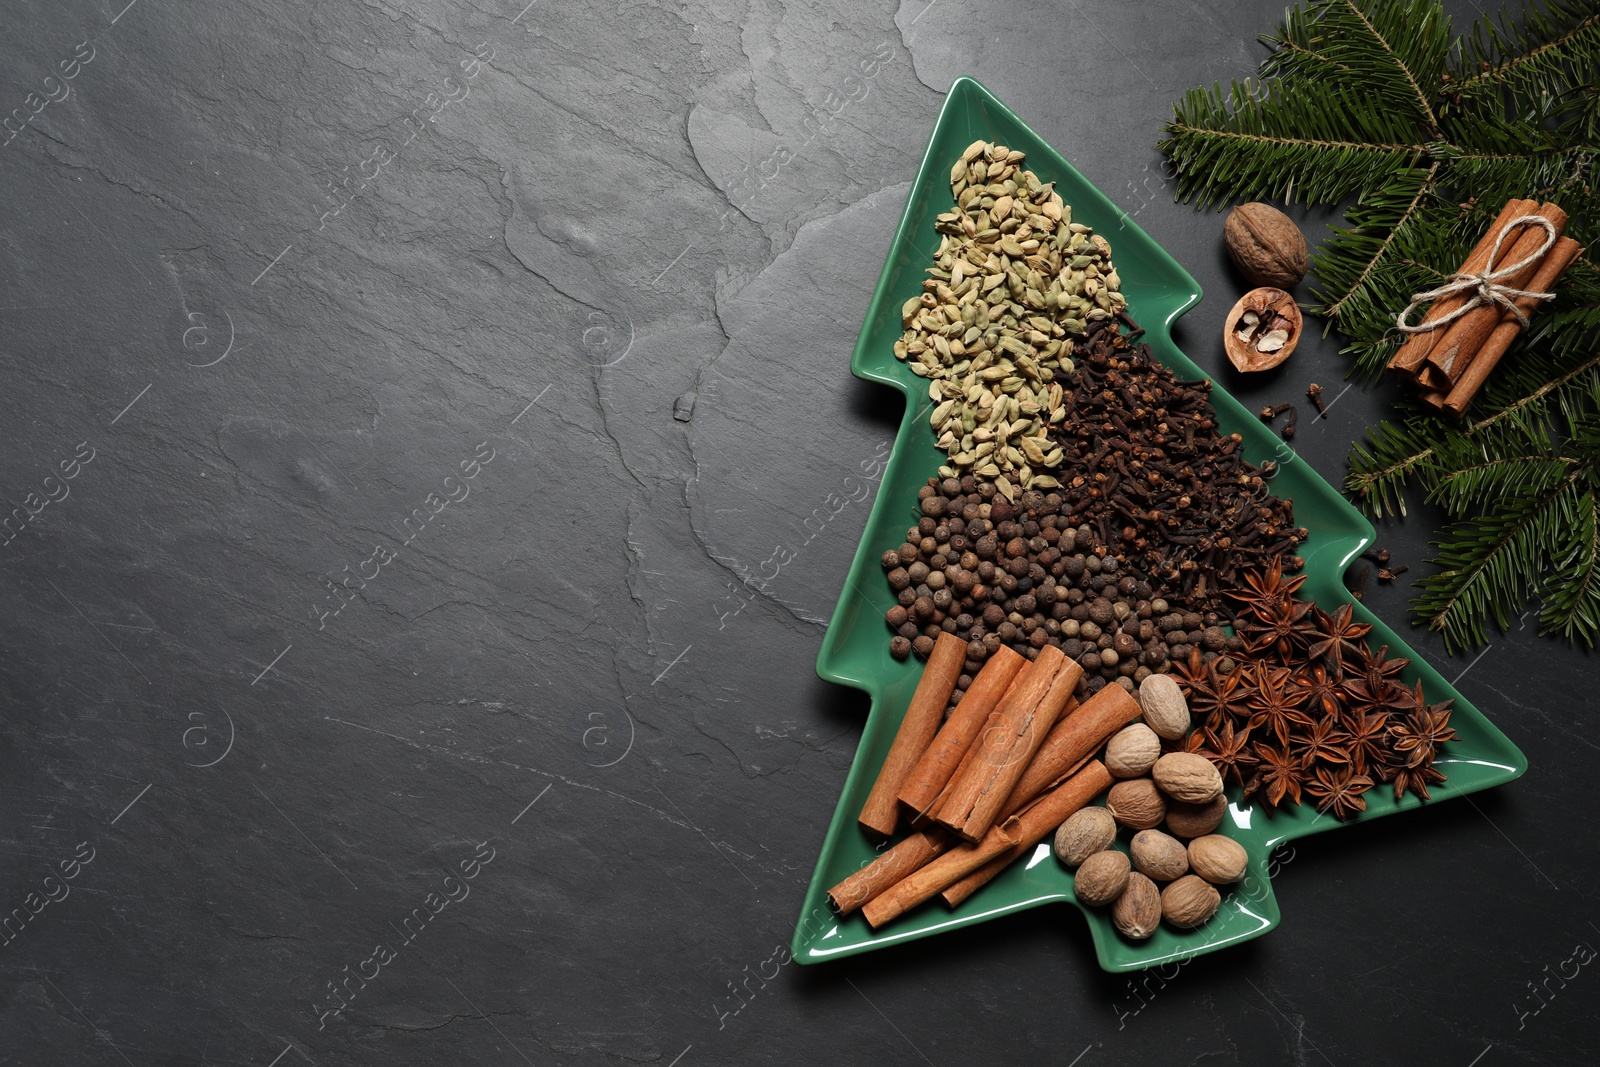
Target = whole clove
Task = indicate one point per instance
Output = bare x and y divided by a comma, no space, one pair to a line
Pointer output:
1314,394
1147,469
1272,411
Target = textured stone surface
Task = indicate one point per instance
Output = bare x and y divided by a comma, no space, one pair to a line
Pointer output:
618,277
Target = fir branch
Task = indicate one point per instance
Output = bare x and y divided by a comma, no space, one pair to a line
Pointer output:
1422,100
1572,605
1519,52
1331,308
1376,99
1491,563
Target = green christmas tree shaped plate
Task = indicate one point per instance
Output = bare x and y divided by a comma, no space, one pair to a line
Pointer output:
855,649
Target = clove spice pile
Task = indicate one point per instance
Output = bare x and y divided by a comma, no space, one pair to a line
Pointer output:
1146,467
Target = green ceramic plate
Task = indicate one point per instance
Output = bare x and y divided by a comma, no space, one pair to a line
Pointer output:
855,649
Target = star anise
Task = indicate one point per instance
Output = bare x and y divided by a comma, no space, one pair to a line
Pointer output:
1230,751
1274,707
1338,791
1367,741
1278,777
1317,692
1379,667
1323,742
1416,779
1193,677
1266,590
1339,639
1283,629
1416,740
1226,699
1362,696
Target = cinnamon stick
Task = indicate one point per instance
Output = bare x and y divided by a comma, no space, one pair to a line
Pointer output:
1466,335
925,882
909,855
1017,729
1560,257
880,813
1034,825
1409,357
941,759
1023,830
1073,740
973,749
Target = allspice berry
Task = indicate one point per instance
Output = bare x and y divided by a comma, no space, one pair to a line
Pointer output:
1266,245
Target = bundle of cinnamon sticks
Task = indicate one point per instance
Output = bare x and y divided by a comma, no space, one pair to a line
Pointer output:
1451,363
999,775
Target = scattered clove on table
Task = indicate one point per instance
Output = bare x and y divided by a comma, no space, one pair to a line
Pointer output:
1272,411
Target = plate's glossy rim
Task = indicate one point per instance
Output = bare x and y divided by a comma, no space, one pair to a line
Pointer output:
1324,585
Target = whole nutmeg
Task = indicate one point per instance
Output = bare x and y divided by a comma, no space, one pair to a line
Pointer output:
1136,804
1196,820
1187,776
1101,878
1189,902
1132,751
1159,857
1137,912
1165,710
1266,245
1218,859
1088,831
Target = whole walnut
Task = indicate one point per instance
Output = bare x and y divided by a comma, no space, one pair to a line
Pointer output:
1266,246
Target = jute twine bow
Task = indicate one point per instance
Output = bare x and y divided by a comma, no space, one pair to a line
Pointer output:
1486,283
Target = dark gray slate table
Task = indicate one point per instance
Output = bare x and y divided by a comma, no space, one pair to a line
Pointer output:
382,687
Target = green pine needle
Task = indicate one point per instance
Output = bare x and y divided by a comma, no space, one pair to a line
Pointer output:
1432,132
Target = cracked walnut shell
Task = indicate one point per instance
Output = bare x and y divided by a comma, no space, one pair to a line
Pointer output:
1262,330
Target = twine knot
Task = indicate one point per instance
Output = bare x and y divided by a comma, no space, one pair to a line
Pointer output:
1485,284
